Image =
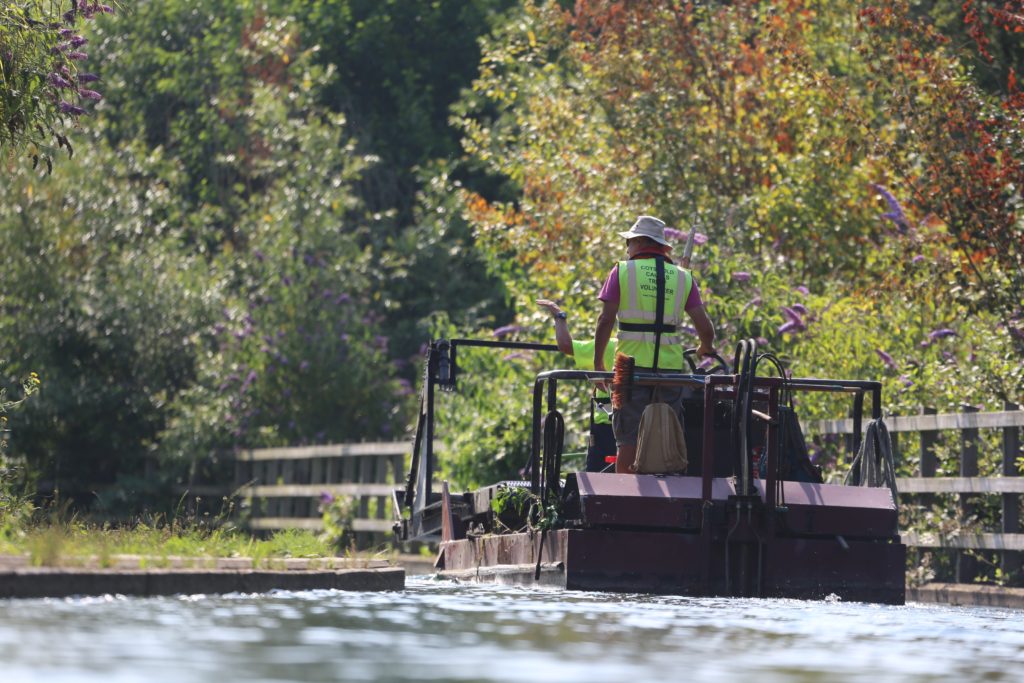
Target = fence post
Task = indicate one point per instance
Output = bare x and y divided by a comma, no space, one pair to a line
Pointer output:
929,463
894,439
317,470
240,477
1011,501
966,563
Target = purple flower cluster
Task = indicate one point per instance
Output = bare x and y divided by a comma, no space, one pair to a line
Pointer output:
895,212
794,319
65,79
506,330
681,236
887,359
935,335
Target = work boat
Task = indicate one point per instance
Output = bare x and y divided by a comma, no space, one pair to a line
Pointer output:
745,519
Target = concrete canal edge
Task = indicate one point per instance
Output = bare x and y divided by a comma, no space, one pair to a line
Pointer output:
60,583
191,576
967,595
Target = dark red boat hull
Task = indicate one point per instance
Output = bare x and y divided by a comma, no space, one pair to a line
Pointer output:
653,534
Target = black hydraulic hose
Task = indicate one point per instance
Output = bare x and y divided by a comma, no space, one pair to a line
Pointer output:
785,425
728,540
741,415
738,366
554,435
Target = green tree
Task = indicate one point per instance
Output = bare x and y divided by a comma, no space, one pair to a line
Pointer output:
824,150
43,87
298,356
102,304
179,83
162,338
397,102
400,65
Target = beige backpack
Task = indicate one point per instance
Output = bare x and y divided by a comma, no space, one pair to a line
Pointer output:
661,448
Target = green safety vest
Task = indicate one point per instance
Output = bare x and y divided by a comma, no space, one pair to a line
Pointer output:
583,355
638,298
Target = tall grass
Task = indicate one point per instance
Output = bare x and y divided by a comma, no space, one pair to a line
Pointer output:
55,537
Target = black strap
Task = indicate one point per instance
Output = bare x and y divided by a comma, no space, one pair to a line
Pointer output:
659,306
646,327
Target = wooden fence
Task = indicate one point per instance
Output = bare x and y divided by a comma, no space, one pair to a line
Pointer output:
1009,542
285,485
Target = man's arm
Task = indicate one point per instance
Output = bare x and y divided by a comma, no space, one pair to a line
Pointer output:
603,332
562,335
705,331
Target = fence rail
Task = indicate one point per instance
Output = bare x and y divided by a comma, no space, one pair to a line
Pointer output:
286,484
931,422
960,485
1009,486
1013,542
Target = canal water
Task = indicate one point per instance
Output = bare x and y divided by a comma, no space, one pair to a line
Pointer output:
442,631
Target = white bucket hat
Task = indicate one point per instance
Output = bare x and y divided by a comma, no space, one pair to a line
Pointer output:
647,226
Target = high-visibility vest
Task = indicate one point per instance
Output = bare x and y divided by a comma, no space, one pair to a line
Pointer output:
583,354
638,299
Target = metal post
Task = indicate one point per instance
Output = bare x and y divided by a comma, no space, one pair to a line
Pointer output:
858,427
428,447
772,453
707,456
535,439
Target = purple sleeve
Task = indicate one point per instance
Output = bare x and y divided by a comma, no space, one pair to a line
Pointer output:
610,290
693,300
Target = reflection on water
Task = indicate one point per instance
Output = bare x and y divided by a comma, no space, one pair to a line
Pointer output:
440,631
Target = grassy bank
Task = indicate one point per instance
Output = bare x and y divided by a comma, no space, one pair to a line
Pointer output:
76,543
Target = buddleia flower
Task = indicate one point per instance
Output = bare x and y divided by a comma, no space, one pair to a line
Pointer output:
887,359
941,334
506,330
895,212
59,81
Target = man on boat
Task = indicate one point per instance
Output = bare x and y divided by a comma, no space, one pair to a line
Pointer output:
602,438
647,294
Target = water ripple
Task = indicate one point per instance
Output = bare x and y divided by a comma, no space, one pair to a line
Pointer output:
450,632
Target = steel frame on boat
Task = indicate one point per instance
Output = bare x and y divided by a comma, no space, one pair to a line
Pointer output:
717,531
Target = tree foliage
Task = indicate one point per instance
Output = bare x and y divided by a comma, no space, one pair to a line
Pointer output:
228,265
270,212
858,188
44,88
